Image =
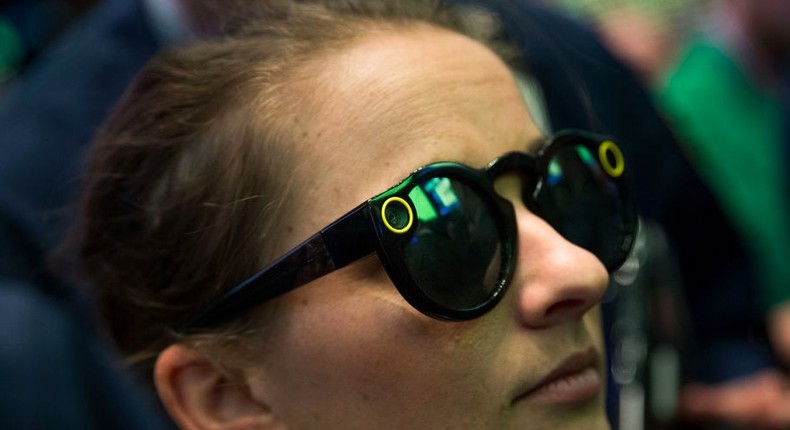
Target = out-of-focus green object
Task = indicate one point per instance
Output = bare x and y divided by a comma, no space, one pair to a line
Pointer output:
11,50
732,129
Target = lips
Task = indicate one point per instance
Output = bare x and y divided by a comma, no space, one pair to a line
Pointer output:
575,379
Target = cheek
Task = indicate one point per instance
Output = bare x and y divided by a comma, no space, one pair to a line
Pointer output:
594,325
369,354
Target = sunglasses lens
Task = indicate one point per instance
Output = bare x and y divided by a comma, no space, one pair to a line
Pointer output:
455,255
581,200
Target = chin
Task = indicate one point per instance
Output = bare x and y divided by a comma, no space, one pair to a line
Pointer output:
588,416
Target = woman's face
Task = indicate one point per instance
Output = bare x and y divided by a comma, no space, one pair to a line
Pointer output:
349,352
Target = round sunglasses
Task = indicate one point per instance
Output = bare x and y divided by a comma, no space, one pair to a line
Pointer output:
448,241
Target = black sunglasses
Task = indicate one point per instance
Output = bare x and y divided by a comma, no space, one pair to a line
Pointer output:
448,241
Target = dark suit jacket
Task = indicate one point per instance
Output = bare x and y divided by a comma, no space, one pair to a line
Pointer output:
56,373
47,119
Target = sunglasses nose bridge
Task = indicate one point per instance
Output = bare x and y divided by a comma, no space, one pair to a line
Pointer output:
512,162
518,191
509,187
516,185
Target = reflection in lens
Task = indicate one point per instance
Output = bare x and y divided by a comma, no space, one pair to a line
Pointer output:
583,203
444,197
455,254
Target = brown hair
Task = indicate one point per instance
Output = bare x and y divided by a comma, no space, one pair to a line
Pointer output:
187,178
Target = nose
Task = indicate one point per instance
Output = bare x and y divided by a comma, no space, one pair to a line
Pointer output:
555,281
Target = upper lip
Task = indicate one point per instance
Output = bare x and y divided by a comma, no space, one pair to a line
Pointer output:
574,363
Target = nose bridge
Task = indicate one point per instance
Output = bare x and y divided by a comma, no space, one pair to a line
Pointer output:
518,163
514,176
555,280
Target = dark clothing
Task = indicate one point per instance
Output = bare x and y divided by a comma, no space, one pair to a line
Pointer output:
47,119
56,371
57,374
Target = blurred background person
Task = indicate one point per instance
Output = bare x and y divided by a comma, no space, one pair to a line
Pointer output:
724,98
56,369
48,114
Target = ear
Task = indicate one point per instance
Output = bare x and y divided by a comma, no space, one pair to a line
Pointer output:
199,396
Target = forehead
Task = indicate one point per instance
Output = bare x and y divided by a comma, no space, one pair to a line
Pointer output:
396,100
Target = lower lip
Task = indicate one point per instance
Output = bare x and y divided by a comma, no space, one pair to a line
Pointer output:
573,388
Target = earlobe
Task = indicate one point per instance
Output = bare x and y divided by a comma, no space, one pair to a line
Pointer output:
198,395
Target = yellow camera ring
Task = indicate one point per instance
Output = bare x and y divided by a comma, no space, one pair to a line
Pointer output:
408,210
608,147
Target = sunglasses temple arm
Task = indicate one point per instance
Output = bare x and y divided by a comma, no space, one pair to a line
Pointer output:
341,243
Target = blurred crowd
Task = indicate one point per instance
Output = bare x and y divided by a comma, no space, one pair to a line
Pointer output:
715,141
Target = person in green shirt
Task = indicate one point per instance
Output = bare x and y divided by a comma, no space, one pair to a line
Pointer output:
723,100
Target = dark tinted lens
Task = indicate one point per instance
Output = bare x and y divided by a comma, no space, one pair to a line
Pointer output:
455,255
584,204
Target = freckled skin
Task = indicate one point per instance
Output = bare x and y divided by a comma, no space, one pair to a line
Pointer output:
349,352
